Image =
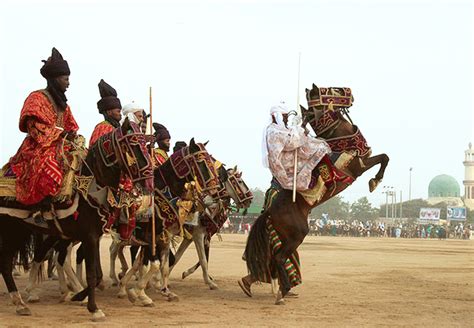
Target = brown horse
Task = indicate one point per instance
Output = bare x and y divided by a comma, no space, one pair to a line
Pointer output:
120,152
287,219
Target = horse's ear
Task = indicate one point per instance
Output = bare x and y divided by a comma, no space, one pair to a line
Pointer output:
306,90
125,126
192,146
302,108
205,144
314,86
235,168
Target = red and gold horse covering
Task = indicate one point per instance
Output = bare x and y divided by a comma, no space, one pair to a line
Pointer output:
355,143
37,164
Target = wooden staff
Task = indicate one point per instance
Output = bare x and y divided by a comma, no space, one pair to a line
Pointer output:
153,228
297,108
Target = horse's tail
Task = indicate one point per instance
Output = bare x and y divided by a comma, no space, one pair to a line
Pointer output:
257,250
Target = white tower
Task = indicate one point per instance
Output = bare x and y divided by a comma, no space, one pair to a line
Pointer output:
469,177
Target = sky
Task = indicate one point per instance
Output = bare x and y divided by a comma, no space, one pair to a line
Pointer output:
216,68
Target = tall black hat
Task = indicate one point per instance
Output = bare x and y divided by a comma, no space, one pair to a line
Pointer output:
55,66
109,97
161,132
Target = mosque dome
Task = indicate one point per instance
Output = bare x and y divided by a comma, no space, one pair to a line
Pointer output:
443,186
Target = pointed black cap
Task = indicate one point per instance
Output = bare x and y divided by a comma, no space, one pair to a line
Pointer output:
109,97
55,66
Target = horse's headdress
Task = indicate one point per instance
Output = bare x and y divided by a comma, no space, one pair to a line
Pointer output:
332,96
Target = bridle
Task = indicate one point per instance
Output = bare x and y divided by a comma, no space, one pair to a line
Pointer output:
186,165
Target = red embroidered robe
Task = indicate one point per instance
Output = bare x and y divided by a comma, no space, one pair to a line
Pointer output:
37,163
99,130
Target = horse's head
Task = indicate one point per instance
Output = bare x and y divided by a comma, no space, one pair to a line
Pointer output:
325,106
194,163
125,149
237,189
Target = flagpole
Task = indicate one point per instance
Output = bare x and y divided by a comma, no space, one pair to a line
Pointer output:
295,165
153,228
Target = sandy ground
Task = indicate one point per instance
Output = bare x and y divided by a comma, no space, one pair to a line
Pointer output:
346,282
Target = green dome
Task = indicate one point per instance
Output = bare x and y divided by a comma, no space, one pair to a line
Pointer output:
443,186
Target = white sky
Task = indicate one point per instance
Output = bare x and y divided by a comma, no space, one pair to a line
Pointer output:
216,67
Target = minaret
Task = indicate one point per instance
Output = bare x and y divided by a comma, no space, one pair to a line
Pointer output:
469,177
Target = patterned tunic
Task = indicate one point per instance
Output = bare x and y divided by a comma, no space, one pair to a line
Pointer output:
37,163
282,143
99,130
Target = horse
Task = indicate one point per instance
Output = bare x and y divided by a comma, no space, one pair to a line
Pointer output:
122,151
286,221
210,223
178,176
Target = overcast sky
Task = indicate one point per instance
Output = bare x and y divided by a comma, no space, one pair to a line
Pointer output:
216,68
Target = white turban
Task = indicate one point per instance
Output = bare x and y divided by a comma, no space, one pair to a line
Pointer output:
277,112
129,110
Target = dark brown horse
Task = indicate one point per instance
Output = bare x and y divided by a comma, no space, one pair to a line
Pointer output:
120,152
288,218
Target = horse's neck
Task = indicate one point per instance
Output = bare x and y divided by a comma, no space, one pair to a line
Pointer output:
105,176
166,177
343,128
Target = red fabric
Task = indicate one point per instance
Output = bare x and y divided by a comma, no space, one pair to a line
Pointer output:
37,163
99,130
160,157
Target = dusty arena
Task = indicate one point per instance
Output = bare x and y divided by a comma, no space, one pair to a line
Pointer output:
346,282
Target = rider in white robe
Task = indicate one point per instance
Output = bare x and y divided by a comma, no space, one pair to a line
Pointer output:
279,144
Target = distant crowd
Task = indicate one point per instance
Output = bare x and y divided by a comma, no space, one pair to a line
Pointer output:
358,228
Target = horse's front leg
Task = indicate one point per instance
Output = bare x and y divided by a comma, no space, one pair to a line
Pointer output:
92,253
164,247
368,163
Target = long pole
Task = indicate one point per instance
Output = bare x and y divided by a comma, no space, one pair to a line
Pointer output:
295,165
386,204
153,228
401,205
409,186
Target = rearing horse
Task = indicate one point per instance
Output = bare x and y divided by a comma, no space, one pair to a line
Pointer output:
271,250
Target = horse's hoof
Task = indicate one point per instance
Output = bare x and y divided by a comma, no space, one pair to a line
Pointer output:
373,183
23,311
33,299
213,286
173,298
132,295
281,301
183,275
66,297
101,286
115,283
121,275
291,294
98,316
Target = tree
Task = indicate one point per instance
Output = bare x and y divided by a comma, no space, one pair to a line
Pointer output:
363,210
335,207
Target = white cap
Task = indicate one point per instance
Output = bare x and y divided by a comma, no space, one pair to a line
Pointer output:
128,111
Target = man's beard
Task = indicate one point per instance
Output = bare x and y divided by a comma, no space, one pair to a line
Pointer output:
163,146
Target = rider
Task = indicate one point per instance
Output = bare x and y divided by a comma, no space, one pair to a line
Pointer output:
47,120
162,138
280,144
178,145
109,106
